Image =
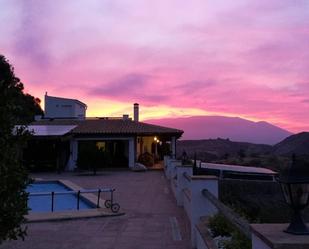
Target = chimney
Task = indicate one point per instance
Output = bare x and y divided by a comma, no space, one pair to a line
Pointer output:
136,112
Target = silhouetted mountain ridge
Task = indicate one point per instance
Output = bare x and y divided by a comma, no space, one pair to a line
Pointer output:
209,149
234,128
296,144
215,149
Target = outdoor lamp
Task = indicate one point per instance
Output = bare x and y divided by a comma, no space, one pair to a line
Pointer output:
294,183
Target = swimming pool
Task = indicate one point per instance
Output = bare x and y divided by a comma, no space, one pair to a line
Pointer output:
62,200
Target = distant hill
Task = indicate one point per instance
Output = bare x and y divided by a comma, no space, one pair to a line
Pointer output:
298,144
219,150
234,128
211,149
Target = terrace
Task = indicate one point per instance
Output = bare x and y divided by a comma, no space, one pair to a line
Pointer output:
161,210
152,220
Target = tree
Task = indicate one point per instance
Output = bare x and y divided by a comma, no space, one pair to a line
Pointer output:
241,153
29,107
15,108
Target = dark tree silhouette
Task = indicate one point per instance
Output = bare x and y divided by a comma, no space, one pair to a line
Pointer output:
15,108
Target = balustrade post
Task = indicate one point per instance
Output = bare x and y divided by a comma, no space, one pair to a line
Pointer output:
78,197
52,201
172,168
182,182
200,206
98,201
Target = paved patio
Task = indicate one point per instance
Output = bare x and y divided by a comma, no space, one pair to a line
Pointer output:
152,219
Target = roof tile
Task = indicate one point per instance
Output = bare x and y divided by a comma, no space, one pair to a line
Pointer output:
110,126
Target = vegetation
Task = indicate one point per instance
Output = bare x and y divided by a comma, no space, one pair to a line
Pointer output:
224,151
220,226
257,202
15,108
146,159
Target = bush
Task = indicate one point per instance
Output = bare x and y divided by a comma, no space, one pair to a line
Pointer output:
238,241
220,226
146,159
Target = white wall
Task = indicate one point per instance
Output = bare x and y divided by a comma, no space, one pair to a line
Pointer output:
257,243
196,205
80,111
63,108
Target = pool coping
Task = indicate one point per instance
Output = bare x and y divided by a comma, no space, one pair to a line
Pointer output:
69,214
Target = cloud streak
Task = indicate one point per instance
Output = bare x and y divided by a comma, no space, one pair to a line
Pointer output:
246,58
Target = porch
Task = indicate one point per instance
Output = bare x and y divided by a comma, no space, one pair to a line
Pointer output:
105,142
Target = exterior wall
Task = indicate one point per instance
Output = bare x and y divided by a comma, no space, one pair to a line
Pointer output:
71,166
187,202
257,243
182,183
173,145
200,243
63,108
200,206
138,145
188,188
80,111
131,152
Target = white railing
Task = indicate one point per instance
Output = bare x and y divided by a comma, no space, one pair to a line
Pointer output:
108,203
199,197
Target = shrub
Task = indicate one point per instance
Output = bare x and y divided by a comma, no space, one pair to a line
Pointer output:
146,159
238,241
219,225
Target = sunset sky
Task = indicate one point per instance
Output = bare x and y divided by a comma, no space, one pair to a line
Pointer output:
174,57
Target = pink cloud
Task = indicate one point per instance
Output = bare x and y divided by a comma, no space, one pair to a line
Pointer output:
244,59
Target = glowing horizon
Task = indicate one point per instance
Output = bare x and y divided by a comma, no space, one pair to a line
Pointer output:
242,58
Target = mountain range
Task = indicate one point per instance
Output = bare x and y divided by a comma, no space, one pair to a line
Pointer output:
213,149
233,128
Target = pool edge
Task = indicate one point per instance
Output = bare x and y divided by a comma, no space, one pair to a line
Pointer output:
69,214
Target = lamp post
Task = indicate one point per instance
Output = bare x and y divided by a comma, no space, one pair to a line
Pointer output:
294,183
194,169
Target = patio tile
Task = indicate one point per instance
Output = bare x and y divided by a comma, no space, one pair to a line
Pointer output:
145,225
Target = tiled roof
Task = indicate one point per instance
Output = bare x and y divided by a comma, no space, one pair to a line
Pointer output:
111,126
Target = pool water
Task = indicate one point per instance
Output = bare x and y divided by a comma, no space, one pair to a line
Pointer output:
61,201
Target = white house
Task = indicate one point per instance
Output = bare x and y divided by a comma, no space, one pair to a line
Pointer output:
64,136
56,107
